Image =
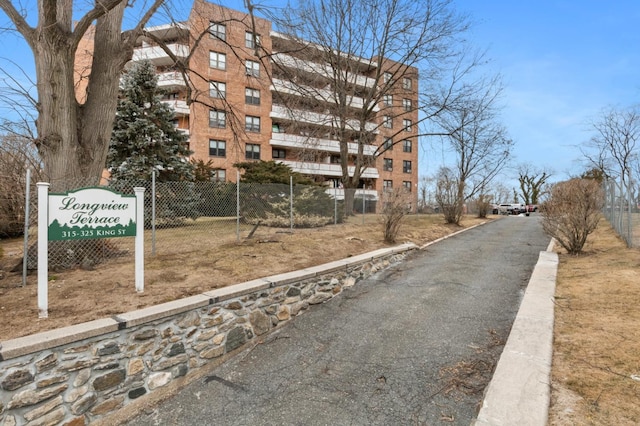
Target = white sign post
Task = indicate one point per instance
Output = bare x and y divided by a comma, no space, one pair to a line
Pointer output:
43,255
87,213
139,239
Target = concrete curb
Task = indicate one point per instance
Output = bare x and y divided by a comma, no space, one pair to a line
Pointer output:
519,391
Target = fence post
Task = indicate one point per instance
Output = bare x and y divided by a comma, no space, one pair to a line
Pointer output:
291,201
612,194
629,233
238,205
25,250
335,205
364,206
153,212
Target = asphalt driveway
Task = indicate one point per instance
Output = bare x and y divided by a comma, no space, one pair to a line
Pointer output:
413,345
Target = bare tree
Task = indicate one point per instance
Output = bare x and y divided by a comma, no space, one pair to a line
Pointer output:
363,50
532,183
73,136
573,212
396,204
613,147
17,154
446,194
480,144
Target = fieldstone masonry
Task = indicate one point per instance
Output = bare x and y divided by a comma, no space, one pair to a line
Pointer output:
82,373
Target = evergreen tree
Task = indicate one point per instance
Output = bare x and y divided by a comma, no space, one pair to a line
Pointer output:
144,136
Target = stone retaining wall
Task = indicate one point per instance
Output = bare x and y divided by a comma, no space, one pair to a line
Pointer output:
80,374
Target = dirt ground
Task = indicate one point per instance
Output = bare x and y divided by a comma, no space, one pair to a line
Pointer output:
208,261
596,362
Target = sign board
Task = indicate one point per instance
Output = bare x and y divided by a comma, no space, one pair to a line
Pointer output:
89,213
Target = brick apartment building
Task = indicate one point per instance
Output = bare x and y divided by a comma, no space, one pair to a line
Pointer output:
245,105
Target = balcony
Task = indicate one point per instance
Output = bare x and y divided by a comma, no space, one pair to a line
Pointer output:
290,88
321,69
171,80
169,31
327,169
180,107
326,120
338,193
364,63
158,56
285,140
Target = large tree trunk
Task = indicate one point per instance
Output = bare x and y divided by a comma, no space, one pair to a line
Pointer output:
57,108
74,127
73,139
98,112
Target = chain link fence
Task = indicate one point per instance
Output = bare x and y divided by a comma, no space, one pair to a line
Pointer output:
183,217
621,208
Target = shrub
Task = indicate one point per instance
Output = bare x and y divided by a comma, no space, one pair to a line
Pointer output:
573,212
396,204
270,205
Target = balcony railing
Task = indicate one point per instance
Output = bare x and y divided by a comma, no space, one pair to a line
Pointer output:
173,79
326,120
327,169
158,56
338,193
180,107
285,140
291,88
321,69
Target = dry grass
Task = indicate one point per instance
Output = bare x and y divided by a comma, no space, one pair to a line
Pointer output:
596,361
201,259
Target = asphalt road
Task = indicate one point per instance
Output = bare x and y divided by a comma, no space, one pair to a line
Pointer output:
413,345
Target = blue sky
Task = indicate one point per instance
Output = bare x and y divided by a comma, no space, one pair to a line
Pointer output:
562,61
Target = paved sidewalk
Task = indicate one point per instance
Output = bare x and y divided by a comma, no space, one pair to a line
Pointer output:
387,351
519,391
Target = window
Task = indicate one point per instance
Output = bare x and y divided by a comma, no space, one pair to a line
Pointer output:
406,104
406,145
388,144
406,125
218,31
275,128
387,165
406,166
251,123
252,151
278,153
217,148
252,96
406,184
217,119
387,121
387,100
252,68
251,41
219,175
334,159
386,77
387,185
217,89
218,60
406,83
